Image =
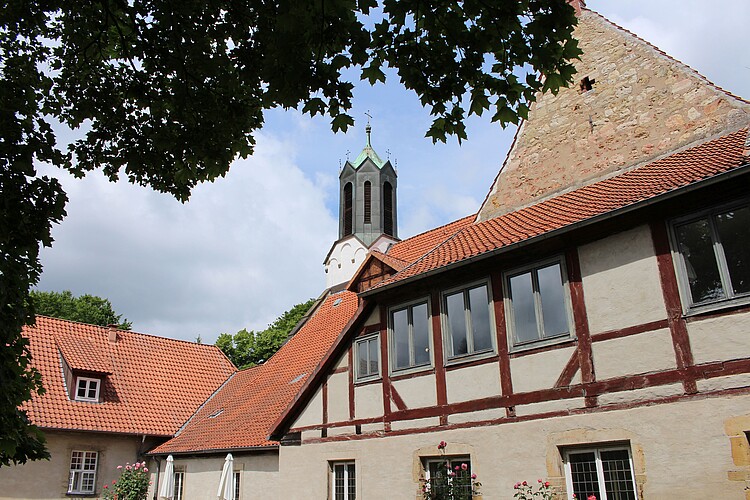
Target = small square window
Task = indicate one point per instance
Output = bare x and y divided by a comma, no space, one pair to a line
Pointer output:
367,352
410,336
712,256
538,303
467,321
87,389
343,481
82,477
606,473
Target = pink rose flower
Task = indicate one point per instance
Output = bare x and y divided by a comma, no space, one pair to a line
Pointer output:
473,476
538,480
464,467
113,481
591,497
525,483
106,486
442,445
145,469
119,466
457,467
546,484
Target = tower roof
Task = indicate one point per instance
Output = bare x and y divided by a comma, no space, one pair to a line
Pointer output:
368,152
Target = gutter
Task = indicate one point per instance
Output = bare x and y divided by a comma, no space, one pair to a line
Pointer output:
725,176
215,451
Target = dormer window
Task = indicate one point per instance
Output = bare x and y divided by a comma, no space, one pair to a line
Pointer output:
87,389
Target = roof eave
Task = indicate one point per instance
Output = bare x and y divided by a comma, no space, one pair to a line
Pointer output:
735,172
215,451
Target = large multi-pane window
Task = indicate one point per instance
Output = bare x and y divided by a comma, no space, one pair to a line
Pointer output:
713,257
537,303
606,473
449,478
343,481
82,477
367,352
410,336
87,389
466,314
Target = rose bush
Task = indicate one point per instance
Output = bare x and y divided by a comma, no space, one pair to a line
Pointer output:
131,485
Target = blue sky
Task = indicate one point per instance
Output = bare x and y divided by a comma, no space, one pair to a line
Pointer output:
251,245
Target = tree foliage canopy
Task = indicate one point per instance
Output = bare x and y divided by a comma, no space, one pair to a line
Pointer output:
249,348
85,308
168,93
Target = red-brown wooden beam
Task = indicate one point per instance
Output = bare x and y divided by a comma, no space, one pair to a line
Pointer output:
585,356
438,358
501,337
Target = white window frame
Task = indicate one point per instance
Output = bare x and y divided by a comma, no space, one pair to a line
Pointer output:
77,474
680,268
599,469
346,478
445,322
409,306
360,377
508,299
87,381
179,485
236,484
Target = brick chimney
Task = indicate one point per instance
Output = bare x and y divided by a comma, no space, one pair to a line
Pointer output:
578,5
112,333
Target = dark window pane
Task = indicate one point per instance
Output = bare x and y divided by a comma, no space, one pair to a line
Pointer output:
374,356
734,233
457,323
618,478
338,472
348,216
553,300
480,318
524,314
362,360
81,392
401,338
352,486
388,208
368,202
583,472
421,333
696,247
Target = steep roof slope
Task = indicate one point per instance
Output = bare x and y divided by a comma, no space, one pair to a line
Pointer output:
634,104
415,247
649,181
242,412
152,384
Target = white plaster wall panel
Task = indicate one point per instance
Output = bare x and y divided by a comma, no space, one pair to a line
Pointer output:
721,338
374,427
504,454
637,395
343,362
720,383
313,412
538,371
642,353
473,382
338,397
621,284
374,317
477,416
550,406
312,434
418,423
342,262
368,400
341,431
417,392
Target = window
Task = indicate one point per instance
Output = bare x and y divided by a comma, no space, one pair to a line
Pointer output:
348,216
179,485
236,485
410,336
606,473
466,315
343,481
712,255
368,357
87,389
449,477
537,303
368,202
82,477
388,208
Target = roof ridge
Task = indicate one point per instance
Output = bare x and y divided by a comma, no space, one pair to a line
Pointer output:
665,54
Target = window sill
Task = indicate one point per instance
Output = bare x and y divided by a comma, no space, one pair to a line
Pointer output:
72,494
544,345
718,306
470,358
368,380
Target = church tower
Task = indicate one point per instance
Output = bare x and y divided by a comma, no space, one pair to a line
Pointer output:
367,213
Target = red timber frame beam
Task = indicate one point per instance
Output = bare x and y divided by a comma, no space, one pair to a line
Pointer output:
585,356
498,302
677,326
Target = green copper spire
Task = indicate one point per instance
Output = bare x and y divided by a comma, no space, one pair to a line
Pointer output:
368,152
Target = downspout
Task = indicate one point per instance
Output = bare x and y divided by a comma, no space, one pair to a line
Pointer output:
156,481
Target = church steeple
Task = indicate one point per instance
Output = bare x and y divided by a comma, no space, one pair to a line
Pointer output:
367,212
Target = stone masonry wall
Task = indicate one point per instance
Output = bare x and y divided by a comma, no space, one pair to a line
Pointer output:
642,105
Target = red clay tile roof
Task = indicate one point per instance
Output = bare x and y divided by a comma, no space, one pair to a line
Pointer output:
648,181
415,247
389,260
154,384
251,401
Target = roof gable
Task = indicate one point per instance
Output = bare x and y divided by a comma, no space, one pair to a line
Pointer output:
642,104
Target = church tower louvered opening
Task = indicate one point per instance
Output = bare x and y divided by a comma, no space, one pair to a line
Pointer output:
367,212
